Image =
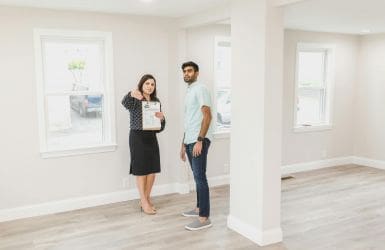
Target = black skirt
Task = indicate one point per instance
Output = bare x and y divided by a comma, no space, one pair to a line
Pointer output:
144,151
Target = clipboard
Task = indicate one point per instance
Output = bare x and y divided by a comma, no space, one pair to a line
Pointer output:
150,121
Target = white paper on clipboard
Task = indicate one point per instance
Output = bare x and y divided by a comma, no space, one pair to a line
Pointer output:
150,121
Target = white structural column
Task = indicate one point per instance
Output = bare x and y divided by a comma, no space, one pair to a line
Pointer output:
178,92
257,68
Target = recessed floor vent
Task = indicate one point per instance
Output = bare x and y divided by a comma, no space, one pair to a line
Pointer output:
286,177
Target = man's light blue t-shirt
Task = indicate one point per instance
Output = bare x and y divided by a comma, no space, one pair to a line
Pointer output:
197,95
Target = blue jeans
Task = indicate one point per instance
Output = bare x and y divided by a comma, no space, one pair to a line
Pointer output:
198,166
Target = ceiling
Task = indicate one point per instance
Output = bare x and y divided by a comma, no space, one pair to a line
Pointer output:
341,16
164,8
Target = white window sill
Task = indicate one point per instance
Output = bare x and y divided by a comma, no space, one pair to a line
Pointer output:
79,151
222,134
312,128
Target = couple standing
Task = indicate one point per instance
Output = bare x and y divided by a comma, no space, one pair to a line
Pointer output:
144,149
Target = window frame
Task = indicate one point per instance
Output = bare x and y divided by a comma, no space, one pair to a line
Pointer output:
108,118
222,133
329,68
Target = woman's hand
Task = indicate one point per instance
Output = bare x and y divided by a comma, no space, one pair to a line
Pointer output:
137,94
183,152
160,115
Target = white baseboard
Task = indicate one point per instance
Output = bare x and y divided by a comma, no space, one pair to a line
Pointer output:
79,203
262,238
300,167
98,200
362,161
62,206
182,188
219,180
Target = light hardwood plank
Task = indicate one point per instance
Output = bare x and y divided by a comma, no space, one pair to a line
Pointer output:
335,208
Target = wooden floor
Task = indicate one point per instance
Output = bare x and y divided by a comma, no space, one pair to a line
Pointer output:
335,208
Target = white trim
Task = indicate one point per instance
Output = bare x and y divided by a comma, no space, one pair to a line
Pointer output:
306,166
262,238
219,180
79,203
62,206
282,3
109,103
219,133
182,188
98,200
362,161
70,33
79,151
40,90
69,93
315,46
312,128
109,130
329,82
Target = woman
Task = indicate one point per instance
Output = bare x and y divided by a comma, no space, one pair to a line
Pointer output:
144,149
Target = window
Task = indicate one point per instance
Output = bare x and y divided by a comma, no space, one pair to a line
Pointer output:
222,76
313,87
75,92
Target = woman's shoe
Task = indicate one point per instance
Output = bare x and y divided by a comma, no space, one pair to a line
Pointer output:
150,212
152,206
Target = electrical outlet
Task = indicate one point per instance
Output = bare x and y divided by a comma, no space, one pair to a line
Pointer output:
226,168
125,181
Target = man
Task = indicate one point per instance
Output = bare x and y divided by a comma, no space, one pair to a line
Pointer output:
196,142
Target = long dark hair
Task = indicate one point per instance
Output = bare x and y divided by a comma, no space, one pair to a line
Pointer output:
143,80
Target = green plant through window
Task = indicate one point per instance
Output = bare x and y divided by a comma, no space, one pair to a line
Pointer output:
77,67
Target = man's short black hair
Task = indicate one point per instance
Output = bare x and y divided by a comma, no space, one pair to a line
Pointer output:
191,64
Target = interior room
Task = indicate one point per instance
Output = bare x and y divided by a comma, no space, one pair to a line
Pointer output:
297,156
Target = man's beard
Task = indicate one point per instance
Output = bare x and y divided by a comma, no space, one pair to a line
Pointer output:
190,80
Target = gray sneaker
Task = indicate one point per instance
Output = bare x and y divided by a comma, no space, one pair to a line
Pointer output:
191,213
197,225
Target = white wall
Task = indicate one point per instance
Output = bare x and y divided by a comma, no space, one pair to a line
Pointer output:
200,48
297,147
140,45
369,119
153,45
337,142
